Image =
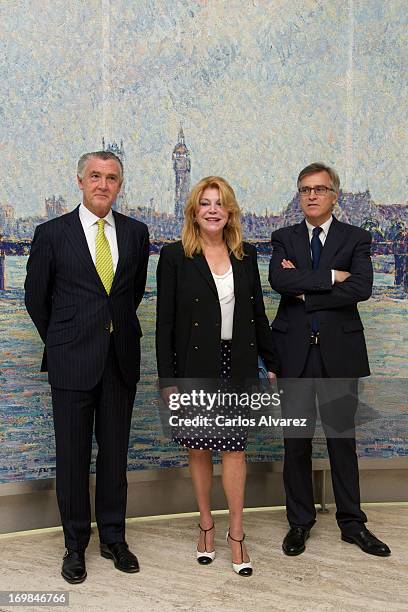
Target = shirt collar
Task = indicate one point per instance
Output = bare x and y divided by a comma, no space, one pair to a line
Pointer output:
325,226
88,218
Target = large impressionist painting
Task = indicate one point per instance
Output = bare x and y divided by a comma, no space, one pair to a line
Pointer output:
252,90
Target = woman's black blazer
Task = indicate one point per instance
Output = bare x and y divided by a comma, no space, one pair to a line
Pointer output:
188,326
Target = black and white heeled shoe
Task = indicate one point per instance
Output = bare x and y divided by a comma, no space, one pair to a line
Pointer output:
243,568
205,558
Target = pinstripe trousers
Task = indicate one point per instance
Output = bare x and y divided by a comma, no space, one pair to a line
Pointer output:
109,405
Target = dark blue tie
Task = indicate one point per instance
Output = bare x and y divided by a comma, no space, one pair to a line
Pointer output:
316,246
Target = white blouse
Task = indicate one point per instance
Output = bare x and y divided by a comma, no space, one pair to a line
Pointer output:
226,296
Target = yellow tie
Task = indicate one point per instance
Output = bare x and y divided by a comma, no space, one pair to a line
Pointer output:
104,263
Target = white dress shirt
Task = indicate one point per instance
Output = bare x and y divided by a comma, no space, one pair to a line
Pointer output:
323,235
89,224
226,296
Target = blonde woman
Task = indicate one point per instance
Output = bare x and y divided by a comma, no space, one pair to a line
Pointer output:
211,324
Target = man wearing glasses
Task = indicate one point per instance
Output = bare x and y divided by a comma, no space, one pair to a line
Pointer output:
322,269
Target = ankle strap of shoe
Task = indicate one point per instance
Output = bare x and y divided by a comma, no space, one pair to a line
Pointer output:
234,540
205,530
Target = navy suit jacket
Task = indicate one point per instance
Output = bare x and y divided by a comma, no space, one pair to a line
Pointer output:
70,308
342,342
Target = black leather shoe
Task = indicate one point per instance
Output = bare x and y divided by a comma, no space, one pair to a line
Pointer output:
294,542
368,543
123,559
73,566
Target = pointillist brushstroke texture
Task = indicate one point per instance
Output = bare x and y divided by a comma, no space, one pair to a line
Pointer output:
261,89
51,93
256,90
379,98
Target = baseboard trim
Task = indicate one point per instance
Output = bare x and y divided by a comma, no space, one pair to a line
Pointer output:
32,504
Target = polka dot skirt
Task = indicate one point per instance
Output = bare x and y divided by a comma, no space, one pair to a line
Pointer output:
226,359
212,437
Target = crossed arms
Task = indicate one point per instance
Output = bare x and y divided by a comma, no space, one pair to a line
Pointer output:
316,285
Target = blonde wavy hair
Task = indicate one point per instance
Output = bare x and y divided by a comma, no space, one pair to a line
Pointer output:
190,235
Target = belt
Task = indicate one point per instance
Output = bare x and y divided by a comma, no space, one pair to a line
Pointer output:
314,338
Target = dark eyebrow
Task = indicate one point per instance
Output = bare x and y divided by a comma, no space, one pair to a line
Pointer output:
313,186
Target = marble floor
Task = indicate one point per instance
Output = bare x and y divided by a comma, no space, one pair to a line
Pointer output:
330,575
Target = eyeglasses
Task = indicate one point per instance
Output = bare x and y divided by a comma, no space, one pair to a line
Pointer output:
319,190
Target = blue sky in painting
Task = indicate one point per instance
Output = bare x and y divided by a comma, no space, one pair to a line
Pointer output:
262,88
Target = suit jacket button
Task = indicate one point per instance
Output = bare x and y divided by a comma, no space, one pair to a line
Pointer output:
196,299
252,321
196,324
196,348
252,297
252,344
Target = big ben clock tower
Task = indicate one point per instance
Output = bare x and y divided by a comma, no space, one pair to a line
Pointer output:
182,167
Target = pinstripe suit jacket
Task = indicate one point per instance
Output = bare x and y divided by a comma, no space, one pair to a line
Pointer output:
70,308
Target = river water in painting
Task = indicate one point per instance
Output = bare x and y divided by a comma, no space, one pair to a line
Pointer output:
26,431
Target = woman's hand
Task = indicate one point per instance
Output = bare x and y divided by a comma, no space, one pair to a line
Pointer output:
166,392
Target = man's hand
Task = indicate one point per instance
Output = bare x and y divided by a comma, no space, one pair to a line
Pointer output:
288,265
271,376
340,276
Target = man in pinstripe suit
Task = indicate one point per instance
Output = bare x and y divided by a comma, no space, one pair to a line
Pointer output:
86,276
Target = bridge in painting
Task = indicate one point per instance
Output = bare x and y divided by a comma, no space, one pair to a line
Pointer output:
397,248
